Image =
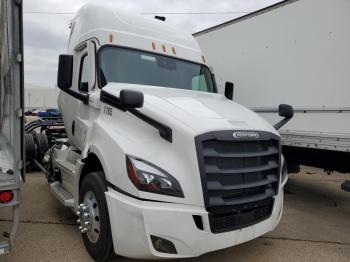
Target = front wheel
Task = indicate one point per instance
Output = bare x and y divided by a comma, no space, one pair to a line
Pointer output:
94,218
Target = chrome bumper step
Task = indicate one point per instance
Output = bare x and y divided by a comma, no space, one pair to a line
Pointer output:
62,195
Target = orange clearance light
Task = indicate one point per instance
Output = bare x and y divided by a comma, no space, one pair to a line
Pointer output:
132,173
203,58
164,48
174,50
110,38
6,196
154,45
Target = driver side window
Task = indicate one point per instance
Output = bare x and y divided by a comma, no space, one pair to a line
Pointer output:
84,74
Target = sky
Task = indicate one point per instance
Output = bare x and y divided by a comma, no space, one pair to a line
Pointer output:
46,35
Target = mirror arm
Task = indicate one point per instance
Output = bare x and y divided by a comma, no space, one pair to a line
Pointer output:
82,97
282,123
164,131
285,111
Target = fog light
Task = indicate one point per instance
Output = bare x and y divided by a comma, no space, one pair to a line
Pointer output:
6,196
162,245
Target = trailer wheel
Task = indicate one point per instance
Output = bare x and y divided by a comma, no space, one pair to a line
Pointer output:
42,145
94,218
29,146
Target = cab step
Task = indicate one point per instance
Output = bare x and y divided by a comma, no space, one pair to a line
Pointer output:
346,186
62,195
4,247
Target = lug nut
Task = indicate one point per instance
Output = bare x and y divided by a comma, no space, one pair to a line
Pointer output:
86,215
78,221
78,213
80,228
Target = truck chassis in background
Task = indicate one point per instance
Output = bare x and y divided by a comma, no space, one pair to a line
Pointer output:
11,115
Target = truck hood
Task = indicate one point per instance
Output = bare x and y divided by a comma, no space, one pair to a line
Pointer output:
199,111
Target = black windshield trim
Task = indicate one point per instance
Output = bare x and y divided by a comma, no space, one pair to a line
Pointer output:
149,52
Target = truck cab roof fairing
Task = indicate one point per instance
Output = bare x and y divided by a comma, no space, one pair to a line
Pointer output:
114,27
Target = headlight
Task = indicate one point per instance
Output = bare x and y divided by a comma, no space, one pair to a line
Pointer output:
150,178
284,169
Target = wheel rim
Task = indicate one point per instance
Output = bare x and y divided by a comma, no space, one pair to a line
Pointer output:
89,217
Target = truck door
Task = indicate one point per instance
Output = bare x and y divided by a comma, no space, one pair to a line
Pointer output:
76,114
86,84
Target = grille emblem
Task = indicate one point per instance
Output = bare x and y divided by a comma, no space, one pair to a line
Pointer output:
239,135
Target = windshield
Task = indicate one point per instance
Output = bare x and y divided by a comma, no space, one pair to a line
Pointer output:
122,65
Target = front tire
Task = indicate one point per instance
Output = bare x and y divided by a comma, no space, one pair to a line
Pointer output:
94,218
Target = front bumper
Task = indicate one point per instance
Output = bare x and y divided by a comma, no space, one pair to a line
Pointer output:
133,221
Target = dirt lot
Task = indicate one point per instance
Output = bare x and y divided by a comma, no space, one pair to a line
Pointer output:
315,226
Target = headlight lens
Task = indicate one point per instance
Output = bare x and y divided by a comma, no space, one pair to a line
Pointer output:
150,178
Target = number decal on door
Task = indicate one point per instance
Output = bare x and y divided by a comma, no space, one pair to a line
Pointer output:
108,110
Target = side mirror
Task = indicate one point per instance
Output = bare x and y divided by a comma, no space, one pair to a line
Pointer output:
131,98
229,90
286,111
65,71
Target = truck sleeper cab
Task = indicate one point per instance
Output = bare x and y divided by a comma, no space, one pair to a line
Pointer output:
156,163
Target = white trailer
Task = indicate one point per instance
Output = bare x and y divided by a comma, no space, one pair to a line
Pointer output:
295,52
11,115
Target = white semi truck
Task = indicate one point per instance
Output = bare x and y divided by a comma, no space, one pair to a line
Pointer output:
153,160
11,116
293,52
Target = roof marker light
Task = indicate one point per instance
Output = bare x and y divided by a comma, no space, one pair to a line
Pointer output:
174,50
203,58
110,38
154,45
164,48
